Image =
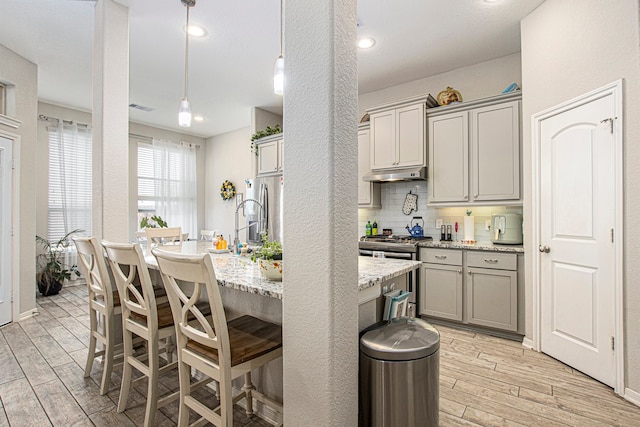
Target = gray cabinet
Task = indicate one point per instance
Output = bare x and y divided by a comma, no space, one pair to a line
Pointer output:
398,135
474,152
441,284
270,155
368,192
485,295
491,294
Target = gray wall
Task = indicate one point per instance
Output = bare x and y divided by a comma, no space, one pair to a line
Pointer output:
24,75
570,47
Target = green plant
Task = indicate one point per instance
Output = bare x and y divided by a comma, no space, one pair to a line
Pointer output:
270,250
261,134
154,222
51,270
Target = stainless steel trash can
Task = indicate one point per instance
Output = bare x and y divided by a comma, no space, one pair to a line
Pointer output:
399,374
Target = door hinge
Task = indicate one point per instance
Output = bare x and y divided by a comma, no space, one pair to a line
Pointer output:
13,163
613,343
612,235
12,296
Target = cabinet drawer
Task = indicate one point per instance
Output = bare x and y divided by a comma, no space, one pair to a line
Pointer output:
441,256
497,260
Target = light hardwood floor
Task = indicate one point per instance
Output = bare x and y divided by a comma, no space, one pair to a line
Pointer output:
484,380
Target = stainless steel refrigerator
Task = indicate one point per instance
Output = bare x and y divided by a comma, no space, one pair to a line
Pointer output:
268,192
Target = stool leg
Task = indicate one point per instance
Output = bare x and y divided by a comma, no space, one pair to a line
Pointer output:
246,388
126,371
108,356
184,374
152,388
91,355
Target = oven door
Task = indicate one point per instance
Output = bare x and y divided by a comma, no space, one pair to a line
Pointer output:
387,254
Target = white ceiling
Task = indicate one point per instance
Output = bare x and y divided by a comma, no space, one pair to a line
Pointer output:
231,69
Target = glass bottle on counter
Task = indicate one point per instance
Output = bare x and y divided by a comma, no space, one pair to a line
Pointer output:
374,228
368,229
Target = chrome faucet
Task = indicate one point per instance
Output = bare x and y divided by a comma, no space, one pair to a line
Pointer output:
236,240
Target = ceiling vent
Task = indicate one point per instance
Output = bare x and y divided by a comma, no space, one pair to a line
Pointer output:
141,107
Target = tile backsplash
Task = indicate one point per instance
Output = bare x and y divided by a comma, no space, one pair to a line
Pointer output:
391,216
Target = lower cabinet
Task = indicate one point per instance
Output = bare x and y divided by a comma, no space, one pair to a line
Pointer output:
485,295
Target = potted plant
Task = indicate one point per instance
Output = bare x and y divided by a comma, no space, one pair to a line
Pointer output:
269,256
152,222
52,271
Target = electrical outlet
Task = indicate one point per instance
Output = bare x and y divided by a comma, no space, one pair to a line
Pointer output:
487,224
438,223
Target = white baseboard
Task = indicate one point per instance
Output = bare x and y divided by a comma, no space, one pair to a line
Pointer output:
526,342
632,396
27,314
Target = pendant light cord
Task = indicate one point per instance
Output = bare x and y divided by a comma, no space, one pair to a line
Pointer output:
281,22
186,56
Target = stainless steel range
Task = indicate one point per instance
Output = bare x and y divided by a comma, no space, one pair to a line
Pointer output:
399,247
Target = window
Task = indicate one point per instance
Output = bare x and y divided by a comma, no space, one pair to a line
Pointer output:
69,179
167,183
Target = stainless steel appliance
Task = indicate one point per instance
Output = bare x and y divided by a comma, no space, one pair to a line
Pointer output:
268,192
399,247
506,229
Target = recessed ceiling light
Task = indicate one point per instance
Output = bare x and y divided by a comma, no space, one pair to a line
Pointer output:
366,42
197,30
198,118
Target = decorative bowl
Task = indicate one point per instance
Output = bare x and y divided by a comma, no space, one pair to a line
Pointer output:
271,270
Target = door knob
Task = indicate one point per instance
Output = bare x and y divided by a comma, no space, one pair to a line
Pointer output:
545,249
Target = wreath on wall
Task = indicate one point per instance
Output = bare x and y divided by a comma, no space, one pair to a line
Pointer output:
227,190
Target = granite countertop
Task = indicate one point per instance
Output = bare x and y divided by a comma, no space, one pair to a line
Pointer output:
478,246
244,275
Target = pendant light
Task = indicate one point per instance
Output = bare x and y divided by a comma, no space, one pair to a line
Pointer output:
184,112
278,72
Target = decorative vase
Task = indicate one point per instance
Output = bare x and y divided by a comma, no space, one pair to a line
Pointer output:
271,269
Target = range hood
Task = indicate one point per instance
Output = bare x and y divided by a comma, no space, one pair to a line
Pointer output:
391,175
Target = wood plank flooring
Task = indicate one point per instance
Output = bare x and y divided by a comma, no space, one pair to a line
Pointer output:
484,380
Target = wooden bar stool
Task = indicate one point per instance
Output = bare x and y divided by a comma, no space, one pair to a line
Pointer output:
142,316
163,236
103,302
219,349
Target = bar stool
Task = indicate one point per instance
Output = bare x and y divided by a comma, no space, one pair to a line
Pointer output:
164,236
220,350
144,317
104,302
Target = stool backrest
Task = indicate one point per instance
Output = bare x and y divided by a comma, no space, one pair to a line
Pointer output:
94,269
198,271
164,235
132,278
207,235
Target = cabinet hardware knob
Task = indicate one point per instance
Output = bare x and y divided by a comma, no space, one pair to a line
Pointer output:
475,195
469,272
460,271
491,260
544,249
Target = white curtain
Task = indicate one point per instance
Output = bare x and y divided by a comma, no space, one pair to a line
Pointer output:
70,187
174,168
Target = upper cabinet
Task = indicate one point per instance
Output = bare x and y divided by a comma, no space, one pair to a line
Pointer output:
474,152
368,192
398,135
270,155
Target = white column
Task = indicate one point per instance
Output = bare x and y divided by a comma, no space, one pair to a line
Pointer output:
320,310
111,121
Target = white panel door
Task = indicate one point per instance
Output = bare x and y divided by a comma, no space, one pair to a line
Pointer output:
449,158
577,187
383,140
5,230
410,136
364,187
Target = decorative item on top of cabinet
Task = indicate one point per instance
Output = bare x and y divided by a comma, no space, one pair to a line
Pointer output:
270,155
398,134
474,152
448,96
368,192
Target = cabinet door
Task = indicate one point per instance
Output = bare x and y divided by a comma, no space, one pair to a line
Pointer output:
383,135
368,192
410,142
441,291
449,158
269,158
495,152
492,298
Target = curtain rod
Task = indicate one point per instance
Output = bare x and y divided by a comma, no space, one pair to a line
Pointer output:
55,119
150,139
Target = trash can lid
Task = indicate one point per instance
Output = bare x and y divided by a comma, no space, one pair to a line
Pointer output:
401,339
